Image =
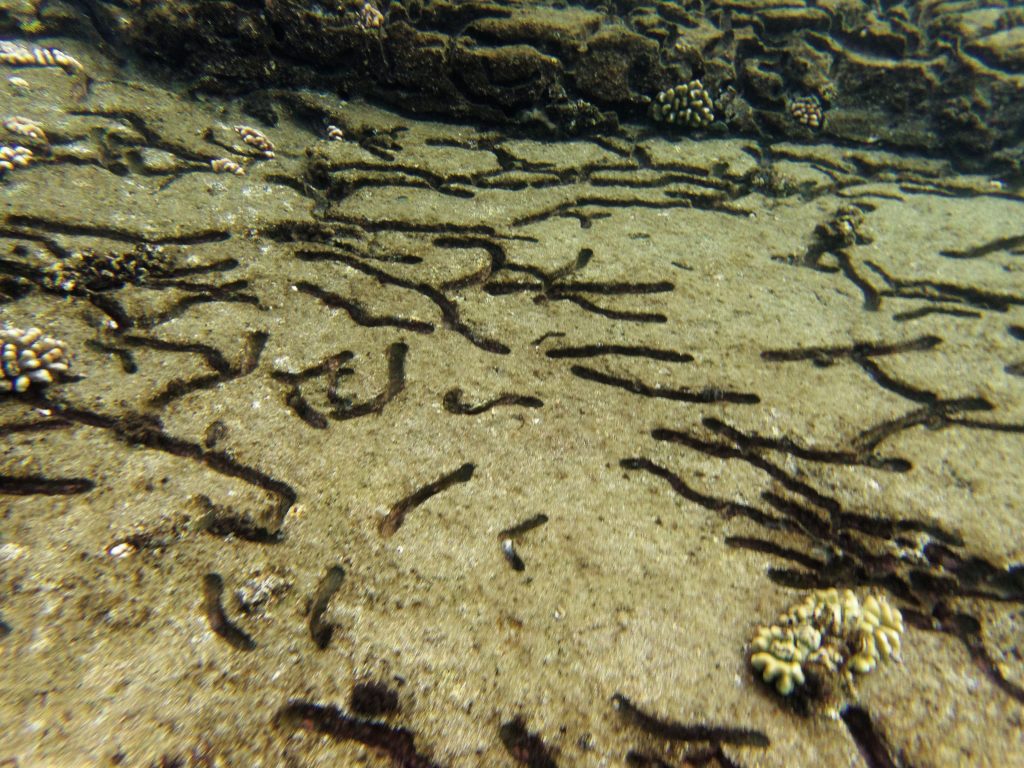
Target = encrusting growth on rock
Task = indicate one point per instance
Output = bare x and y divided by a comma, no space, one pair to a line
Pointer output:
831,635
256,139
807,111
17,55
22,126
14,157
227,165
28,357
687,104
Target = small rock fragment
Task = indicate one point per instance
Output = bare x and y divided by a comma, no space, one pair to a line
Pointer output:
261,589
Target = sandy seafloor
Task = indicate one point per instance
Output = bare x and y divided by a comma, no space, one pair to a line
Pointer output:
464,245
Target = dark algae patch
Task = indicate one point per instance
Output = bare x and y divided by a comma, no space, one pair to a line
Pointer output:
399,744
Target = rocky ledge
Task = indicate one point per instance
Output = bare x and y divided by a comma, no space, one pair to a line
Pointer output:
934,76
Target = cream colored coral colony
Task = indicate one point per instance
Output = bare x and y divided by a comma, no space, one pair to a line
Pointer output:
830,633
27,358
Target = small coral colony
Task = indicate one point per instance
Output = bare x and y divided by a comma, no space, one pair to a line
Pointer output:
819,645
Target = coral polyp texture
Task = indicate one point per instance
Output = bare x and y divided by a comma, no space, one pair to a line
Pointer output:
831,635
807,111
687,104
227,165
18,55
23,126
256,139
14,157
29,358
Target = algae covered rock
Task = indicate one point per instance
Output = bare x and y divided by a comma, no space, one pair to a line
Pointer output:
945,78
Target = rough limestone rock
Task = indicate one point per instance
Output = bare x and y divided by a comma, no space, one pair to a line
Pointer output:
935,76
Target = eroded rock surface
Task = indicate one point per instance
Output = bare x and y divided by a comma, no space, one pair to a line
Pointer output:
936,76
464,448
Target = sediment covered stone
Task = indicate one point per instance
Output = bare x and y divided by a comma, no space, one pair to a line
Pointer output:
926,76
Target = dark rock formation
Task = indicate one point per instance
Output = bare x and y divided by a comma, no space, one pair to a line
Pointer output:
930,75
